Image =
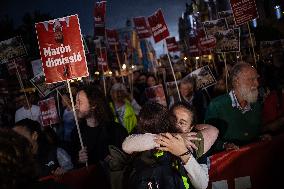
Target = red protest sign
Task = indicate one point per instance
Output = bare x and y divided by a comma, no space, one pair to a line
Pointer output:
207,44
172,45
142,28
99,18
158,26
112,39
244,11
48,111
193,47
61,49
102,59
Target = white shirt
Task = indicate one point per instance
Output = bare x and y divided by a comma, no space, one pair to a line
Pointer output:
33,114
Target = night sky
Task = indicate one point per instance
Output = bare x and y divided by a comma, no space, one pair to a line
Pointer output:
117,11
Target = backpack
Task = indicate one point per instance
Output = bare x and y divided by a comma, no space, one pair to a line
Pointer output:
151,171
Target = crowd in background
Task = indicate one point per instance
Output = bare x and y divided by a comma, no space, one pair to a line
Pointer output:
200,123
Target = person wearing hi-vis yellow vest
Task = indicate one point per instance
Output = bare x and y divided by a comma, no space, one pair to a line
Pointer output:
124,111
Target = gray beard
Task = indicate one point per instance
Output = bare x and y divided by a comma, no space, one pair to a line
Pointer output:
249,95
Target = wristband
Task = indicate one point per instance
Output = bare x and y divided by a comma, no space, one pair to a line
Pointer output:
185,153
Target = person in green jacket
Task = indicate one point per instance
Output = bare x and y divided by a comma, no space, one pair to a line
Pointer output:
124,109
237,114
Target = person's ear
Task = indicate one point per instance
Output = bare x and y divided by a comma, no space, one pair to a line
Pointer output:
34,136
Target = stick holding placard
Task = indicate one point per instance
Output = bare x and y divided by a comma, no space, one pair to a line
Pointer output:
226,70
173,72
119,65
251,41
104,81
75,116
22,87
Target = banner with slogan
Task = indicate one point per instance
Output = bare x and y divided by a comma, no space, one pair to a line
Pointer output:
203,77
61,49
48,110
250,167
193,47
21,66
112,39
228,41
244,11
172,45
102,59
229,17
158,26
125,36
12,48
205,44
44,89
201,45
141,27
99,18
214,26
156,94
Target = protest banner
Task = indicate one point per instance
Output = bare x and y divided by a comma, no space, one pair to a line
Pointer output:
213,26
17,66
244,169
99,19
229,17
156,94
141,27
102,64
12,48
112,39
193,47
125,36
203,77
158,26
206,44
44,89
48,111
172,45
228,40
102,59
61,49
244,11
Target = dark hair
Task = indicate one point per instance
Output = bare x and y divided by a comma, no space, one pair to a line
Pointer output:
18,167
33,126
51,136
185,106
155,118
96,98
153,76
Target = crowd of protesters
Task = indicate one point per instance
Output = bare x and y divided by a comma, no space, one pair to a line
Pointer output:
249,109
